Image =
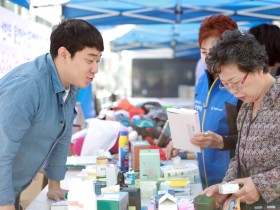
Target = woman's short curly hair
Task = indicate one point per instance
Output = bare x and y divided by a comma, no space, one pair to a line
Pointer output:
235,47
215,25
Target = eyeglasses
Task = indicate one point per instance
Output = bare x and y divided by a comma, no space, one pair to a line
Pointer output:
237,87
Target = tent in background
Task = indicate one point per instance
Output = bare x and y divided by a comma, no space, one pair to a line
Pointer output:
181,38
115,12
181,19
174,36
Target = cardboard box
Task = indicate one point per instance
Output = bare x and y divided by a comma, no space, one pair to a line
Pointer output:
36,186
136,146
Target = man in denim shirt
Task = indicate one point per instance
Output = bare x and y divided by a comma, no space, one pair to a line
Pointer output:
37,108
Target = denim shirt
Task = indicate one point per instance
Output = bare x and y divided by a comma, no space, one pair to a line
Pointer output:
35,125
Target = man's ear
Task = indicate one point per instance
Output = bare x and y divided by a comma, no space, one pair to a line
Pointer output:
63,54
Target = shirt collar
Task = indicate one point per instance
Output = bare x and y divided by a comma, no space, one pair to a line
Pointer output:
57,84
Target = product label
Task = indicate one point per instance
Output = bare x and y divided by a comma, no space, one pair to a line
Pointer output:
123,158
100,171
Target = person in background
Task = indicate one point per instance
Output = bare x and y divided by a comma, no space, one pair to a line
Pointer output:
37,109
277,72
242,65
217,110
199,69
269,36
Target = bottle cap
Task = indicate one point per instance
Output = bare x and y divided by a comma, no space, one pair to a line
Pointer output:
123,133
101,152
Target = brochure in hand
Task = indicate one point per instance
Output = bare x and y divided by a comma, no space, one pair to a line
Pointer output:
184,123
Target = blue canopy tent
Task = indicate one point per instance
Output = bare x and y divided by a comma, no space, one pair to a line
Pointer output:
174,36
108,12
116,12
180,19
181,38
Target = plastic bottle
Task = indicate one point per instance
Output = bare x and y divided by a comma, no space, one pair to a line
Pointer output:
130,177
101,162
73,194
89,197
123,151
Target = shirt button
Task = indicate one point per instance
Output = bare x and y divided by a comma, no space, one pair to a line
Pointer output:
61,122
61,105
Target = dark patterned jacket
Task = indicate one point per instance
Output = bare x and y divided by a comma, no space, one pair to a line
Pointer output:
259,145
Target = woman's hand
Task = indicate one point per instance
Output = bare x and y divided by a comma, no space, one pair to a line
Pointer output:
170,151
208,139
213,191
248,193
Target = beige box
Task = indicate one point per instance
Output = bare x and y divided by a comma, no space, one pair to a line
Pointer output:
36,186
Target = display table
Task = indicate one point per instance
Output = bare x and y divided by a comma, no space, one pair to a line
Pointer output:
43,203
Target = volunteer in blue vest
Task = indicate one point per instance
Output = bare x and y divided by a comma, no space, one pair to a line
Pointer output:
217,110
37,109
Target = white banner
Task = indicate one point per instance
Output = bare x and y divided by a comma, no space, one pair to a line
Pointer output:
21,40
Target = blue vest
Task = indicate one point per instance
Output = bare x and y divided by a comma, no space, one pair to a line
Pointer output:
215,109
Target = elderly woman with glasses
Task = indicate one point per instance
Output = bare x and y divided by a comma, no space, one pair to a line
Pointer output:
241,63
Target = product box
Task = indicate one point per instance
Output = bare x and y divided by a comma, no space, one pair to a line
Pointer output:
60,205
113,201
190,171
148,189
149,165
228,188
134,200
202,202
111,175
136,146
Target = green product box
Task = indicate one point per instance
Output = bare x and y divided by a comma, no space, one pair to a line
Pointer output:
113,201
149,165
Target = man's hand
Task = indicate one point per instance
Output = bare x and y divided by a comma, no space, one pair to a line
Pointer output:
208,139
9,207
248,193
54,190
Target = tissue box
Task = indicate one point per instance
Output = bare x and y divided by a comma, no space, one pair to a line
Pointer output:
113,201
